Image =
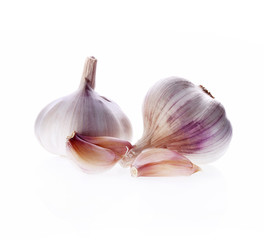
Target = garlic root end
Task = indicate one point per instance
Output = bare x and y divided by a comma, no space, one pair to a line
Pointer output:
134,172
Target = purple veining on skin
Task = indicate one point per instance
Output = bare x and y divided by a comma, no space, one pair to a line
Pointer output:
178,100
205,138
203,135
172,117
204,129
220,140
179,113
196,145
194,124
184,84
228,130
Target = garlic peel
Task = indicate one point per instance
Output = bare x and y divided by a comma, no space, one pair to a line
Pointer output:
160,162
96,154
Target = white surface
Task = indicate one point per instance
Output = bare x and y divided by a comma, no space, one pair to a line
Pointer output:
43,45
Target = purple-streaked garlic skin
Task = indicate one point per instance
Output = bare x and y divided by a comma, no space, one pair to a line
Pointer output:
181,116
96,154
84,111
161,162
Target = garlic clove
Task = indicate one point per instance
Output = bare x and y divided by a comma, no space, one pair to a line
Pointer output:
161,162
118,146
95,154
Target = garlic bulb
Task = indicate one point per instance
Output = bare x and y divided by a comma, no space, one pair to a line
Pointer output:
181,116
84,111
96,154
160,162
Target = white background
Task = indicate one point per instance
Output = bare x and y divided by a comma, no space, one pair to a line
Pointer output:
43,45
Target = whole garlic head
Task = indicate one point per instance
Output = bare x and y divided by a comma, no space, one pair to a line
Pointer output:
181,116
84,111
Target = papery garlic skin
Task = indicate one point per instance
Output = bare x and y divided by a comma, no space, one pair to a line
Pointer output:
96,154
84,111
181,116
161,162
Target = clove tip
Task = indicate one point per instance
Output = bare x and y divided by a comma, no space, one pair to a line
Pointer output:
196,168
71,136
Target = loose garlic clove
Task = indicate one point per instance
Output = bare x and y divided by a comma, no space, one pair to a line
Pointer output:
96,154
181,116
84,111
161,162
118,146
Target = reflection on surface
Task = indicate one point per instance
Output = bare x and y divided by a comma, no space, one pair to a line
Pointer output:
114,198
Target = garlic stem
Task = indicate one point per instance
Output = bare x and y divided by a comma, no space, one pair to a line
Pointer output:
89,73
